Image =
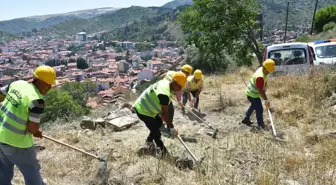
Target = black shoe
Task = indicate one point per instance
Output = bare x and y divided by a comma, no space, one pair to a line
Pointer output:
247,122
262,127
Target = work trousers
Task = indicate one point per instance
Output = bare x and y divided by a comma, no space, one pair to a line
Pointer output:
256,105
154,125
25,159
185,98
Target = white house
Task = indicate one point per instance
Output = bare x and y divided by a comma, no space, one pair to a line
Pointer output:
146,75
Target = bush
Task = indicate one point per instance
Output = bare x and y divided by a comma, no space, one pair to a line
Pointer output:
69,101
329,26
302,38
324,16
60,104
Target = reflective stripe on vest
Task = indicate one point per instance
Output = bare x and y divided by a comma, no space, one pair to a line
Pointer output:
252,90
148,103
148,98
12,128
14,114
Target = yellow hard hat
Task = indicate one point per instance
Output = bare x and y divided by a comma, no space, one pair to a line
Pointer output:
187,68
180,78
198,74
269,65
46,74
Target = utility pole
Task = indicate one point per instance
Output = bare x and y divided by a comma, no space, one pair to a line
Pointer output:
286,22
261,25
312,26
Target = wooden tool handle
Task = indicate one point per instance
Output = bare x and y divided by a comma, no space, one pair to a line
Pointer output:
185,146
72,147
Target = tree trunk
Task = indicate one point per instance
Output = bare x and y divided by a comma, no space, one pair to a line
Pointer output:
252,41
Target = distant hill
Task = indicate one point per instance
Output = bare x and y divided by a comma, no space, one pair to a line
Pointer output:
106,22
156,28
29,23
136,23
176,3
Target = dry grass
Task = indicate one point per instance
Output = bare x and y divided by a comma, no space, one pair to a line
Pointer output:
238,156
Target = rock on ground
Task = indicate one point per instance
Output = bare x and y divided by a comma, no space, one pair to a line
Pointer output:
123,123
87,123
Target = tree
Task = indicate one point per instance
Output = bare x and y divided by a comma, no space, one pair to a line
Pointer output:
219,28
324,16
69,101
60,104
82,64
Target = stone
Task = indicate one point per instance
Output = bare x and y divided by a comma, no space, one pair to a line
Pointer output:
123,123
39,147
100,121
87,123
118,114
189,139
184,162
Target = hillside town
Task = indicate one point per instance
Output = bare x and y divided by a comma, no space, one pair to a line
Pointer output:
113,71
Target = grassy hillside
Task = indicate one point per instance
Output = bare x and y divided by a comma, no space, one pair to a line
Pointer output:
239,155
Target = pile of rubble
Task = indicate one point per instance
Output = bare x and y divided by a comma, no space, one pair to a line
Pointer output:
119,120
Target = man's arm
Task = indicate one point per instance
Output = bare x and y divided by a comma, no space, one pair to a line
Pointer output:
164,101
36,109
261,87
3,92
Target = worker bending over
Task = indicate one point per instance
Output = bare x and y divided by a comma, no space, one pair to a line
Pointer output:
256,89
22,106
187,70
152,107
194,86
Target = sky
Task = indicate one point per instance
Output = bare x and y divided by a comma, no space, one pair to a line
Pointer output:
10,9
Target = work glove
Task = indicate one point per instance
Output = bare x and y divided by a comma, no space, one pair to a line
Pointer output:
194,100
267,104
173,132
38,134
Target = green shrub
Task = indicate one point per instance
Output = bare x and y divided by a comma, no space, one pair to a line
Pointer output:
329,26
69,101
324,16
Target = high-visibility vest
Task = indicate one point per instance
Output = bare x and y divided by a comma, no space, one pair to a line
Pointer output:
169,75
148,103
14,114
193,85
252,89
